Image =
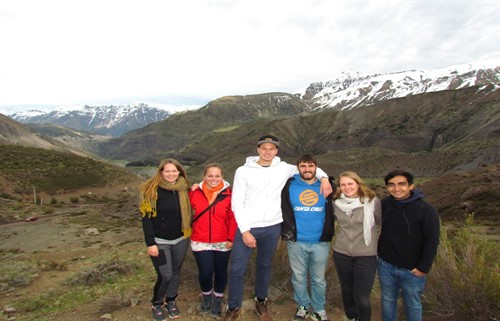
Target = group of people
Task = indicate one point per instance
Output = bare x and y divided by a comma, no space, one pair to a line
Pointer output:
270,199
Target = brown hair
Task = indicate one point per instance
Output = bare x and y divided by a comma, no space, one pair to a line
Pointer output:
212,165
307,158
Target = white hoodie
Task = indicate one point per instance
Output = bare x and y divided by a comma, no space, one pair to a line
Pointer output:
256,198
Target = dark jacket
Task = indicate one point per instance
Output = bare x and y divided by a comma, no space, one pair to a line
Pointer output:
215,225
167,223
288,226
410,233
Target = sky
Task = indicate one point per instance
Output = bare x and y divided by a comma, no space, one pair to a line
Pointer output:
175,52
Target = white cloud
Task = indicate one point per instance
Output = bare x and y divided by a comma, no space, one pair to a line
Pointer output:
89,51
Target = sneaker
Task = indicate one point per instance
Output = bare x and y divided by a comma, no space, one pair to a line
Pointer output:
172,310
158,313
262,310
206,303
217,307
234,315
301,314
319,316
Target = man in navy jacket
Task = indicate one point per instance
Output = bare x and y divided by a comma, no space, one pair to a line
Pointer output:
407,246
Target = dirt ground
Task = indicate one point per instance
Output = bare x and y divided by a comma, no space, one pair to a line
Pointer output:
67,238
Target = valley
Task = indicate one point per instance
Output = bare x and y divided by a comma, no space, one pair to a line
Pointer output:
71,243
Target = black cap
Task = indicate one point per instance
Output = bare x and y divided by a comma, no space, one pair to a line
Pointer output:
268,139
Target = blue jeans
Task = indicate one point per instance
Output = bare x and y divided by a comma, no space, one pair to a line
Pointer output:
394,279
309,258
168,265
356,275
212,270
267,240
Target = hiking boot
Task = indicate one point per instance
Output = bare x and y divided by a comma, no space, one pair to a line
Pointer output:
172,310
319,316
217,307
158,313
206,303
301,314
234,315
262,310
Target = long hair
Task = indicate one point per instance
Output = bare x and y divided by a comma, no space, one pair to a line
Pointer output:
149,187
363,190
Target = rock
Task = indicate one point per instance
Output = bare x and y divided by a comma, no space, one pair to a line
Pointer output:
91,231
9,309
106,316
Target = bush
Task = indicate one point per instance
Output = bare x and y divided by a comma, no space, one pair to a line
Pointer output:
102,272
17,273
464,283
48,210
74,199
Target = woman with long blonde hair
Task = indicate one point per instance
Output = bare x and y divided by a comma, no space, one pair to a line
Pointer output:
357,210
166,216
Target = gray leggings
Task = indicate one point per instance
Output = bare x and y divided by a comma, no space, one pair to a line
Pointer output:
168,265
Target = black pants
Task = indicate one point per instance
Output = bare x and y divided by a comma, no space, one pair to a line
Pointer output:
356,275
212,270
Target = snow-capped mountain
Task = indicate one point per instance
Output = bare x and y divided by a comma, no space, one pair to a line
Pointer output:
351,89
104,120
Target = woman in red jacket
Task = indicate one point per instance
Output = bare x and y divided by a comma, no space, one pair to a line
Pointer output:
214,227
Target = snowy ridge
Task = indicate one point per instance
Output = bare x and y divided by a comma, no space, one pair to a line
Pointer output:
108,120
351,89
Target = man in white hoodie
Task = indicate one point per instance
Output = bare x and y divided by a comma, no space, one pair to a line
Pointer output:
256,203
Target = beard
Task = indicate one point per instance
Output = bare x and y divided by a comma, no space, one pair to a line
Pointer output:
308,175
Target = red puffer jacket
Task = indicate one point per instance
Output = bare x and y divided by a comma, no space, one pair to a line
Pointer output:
218,223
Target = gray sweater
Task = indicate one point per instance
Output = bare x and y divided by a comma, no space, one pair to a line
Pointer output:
349,239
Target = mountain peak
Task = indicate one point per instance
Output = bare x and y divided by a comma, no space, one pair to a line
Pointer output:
352,89
113,120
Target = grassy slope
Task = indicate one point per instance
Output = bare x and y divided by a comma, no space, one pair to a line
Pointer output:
50,171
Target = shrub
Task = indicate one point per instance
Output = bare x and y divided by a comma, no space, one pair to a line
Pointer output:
102,272
464,282
74,199
16,273
48,210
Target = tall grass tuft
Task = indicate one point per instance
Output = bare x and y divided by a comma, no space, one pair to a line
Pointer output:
464,283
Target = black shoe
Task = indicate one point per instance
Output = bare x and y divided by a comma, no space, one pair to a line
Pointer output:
206,303
217,307
158,313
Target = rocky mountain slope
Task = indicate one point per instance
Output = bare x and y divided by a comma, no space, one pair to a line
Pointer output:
103,120
218,116
352,89
81,140
431,133
15,133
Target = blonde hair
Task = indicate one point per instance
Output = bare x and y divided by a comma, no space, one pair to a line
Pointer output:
149,187
363,190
